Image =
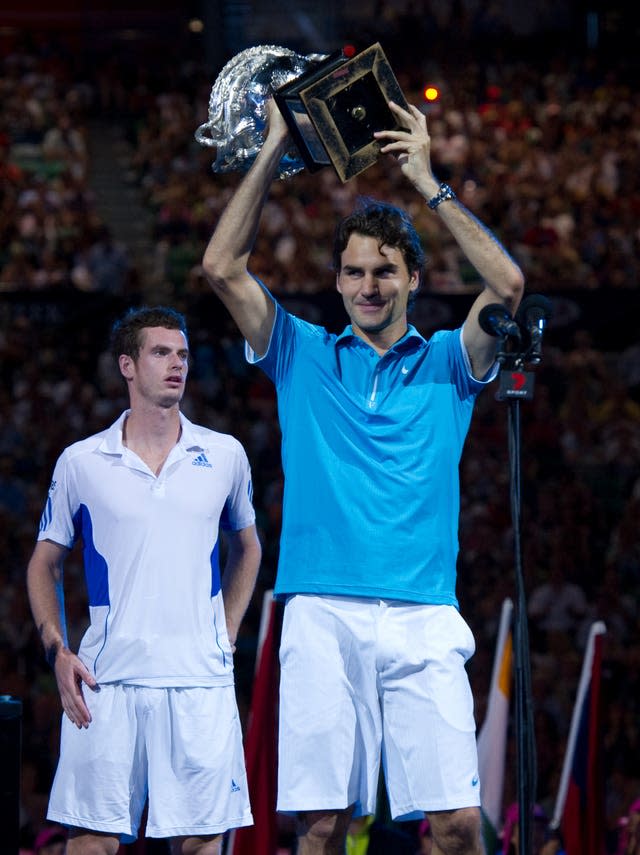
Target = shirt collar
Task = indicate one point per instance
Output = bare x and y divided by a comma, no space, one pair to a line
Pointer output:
410,340
112,439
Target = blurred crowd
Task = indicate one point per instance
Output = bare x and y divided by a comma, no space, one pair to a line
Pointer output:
546,154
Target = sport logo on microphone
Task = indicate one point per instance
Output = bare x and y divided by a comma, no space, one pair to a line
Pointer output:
519,380
515,384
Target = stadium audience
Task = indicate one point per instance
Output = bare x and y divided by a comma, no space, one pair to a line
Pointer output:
547,157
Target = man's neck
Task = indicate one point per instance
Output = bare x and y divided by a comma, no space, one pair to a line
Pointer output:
383,340
152,433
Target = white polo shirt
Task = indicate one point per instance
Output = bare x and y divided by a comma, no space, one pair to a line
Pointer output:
150,547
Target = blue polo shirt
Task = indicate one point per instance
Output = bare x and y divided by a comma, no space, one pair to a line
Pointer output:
370,451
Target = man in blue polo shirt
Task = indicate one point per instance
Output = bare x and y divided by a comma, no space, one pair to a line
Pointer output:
373,423
149,700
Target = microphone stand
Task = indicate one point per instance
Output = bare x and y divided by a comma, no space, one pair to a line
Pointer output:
516,385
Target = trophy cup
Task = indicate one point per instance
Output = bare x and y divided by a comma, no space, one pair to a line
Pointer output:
332,105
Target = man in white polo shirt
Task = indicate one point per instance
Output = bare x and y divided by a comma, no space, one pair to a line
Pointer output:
149,699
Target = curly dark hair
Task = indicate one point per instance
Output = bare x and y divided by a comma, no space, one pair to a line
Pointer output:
125,333
387,223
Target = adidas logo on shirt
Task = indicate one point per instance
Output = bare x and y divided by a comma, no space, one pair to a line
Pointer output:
234,787
201,460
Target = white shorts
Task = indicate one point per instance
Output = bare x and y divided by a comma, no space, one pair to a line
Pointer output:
361,677
181,747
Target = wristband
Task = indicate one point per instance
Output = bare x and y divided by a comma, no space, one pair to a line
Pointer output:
51,653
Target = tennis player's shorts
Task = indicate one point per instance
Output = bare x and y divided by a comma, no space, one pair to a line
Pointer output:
364,678
182,747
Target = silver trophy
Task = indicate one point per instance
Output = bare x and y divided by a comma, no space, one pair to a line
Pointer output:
237,106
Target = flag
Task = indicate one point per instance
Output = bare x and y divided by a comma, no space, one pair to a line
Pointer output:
579,811
261,743
492,739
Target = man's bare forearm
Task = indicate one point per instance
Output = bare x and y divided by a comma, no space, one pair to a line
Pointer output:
228,251
44,586
239,578
497,268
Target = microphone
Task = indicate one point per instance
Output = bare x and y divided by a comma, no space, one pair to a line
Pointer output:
495,320
532,315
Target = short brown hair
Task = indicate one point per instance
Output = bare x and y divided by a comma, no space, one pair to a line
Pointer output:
125,333
387,223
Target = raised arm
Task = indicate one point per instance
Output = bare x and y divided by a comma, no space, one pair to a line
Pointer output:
44,585
239,576
503,279
227,255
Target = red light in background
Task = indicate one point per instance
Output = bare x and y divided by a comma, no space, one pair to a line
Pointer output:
431,93
349,51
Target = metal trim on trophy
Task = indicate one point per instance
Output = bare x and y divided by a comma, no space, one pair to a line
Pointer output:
333,110
332,106
303,131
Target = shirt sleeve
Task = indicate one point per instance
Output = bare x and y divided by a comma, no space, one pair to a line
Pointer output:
281,350
57,520
238,511
491,374
460,364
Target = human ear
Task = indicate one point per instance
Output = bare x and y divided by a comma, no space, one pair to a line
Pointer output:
125,363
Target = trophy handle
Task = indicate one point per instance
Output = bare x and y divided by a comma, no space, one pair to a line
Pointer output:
203,135
237,107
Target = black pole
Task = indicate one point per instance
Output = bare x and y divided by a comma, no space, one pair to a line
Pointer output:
10,753
525,735
520,342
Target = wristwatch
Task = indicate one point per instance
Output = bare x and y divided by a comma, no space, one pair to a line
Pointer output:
443,195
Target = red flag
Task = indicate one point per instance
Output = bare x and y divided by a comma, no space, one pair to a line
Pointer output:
579,811
261,743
